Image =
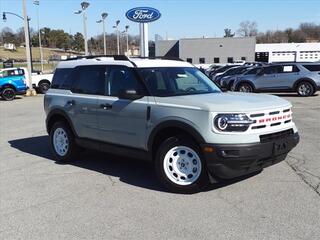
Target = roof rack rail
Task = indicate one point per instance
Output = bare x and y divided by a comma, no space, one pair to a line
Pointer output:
116,57
162,57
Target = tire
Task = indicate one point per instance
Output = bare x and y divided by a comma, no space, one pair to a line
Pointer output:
245,87
180,166
305,89
8,94
62,143
43,87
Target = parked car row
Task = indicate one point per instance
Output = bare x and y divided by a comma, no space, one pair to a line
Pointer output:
303,78
13,81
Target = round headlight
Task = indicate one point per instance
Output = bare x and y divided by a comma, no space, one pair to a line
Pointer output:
222,123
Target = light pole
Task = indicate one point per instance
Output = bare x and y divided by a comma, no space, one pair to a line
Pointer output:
103,17
84,6
26,20
37,3
118,37
127,35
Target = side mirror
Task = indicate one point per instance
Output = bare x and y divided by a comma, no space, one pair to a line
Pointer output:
130,94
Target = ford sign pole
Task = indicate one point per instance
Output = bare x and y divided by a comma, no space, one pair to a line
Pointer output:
143,15
144,39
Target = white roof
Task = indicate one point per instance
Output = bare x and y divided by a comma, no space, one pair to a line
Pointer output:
283,47
140,62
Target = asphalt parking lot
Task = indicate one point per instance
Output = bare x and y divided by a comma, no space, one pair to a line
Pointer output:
106,197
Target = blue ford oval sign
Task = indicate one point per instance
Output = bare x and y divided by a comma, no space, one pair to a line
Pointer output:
143,14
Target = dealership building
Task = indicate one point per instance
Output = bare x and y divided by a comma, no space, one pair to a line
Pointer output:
228,50
208,50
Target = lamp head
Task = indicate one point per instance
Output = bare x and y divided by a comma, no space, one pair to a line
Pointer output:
4,17
84,5
104,15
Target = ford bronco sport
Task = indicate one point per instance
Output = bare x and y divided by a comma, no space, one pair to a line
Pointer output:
167,112
12,83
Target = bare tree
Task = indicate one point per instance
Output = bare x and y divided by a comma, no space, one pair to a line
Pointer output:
248,29
228,33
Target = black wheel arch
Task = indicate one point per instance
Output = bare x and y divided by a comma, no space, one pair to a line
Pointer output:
295,85
58,115
245,81
171,128
44,81
7,85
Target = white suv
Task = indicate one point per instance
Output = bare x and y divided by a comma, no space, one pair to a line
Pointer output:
169,113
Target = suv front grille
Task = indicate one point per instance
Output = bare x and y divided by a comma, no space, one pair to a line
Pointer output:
275,136
271,119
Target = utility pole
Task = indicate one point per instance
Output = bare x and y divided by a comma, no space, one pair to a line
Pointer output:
28,52
37,2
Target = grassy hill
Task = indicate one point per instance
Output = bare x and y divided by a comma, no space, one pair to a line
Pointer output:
19,57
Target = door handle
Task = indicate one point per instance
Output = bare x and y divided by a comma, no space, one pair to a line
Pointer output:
71,102
106,106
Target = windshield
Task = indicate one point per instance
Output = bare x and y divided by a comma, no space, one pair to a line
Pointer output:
174,81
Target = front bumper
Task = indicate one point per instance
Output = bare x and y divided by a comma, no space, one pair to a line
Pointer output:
234,160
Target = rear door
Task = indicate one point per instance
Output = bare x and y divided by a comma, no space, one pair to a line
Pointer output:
287,76
122,121
82,104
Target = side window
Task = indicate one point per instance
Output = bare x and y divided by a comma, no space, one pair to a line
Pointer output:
61,78
273,70
230,60
121,78
89,79
253,71
186,81
290,69
202,60
189,60
313,68
216,60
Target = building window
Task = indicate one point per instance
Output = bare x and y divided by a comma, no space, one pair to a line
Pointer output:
230,59
202,60
216,60
189,60
243,58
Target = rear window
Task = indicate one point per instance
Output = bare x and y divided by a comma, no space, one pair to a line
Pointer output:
14,72
61,78
313,68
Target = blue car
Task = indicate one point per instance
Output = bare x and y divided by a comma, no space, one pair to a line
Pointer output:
12,83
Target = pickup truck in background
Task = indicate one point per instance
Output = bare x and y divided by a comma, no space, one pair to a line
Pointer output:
41,82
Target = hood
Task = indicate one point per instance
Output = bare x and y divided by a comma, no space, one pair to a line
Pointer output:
226,102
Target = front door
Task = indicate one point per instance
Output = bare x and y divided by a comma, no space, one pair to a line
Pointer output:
122,121
270,79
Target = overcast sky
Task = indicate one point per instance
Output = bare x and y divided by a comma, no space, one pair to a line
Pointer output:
180,18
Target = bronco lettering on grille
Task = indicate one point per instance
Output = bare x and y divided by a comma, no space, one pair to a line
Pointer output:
274,118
